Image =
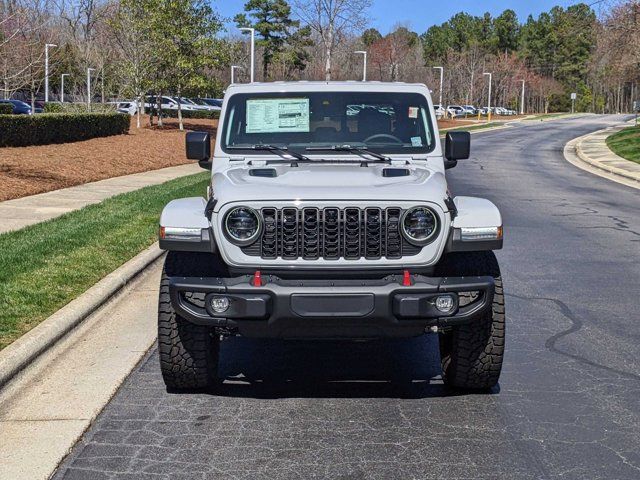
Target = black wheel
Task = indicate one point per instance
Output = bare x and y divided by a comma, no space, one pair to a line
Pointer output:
188,352
471,355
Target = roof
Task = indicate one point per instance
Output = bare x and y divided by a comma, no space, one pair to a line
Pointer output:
315,85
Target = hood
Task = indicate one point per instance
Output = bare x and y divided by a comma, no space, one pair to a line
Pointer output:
328,182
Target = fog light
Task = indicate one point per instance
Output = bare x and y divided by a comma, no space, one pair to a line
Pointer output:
445,303
219,304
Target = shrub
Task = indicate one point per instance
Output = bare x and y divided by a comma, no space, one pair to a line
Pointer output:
53,107
6,108
46,128
68,107
212,114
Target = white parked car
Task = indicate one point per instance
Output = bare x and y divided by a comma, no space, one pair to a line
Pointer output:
322,224
455,111
168,103
440,111
128,107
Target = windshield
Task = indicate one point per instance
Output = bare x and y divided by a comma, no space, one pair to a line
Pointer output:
380,121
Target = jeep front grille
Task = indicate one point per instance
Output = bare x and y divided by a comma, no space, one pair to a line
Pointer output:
331,233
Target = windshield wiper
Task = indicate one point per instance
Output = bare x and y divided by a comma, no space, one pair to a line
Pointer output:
284,150
351,148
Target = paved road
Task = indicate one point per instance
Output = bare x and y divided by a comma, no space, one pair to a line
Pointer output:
568,405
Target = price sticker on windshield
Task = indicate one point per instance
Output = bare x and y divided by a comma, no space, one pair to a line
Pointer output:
413,112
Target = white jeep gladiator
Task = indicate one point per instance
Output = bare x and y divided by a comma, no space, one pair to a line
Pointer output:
328,216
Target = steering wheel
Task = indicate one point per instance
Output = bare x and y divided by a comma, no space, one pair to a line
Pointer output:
383,135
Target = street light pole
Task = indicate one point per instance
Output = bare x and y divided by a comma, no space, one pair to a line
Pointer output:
46,70
522,100
441,82
364,67
253,48
89,70
233,69
62,86
489,99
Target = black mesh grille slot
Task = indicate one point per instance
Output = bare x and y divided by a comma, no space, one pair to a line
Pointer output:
373,233
394,237
352,233
310,233
270,234
290,233
331,233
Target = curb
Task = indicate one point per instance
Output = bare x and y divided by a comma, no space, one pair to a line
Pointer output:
15,357
577,143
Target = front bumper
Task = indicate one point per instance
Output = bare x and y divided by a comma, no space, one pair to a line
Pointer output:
331,308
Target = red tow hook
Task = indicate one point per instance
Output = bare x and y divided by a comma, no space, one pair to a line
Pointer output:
406,279
257,279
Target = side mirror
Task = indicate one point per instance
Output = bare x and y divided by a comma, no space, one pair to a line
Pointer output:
457,147
199,148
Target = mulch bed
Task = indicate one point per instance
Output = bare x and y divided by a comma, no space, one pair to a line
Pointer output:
37,169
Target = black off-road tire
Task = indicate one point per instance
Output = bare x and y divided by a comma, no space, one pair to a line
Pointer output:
471,355
188,352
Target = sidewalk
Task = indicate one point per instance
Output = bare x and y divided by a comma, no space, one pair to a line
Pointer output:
590,153
592,149
21,212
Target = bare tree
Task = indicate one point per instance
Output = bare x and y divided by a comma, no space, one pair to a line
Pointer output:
332,21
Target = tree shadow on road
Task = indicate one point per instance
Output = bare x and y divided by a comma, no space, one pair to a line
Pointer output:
402,368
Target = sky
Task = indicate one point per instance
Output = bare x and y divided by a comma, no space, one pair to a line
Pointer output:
419,15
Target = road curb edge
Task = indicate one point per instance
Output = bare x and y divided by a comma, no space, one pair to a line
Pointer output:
16,356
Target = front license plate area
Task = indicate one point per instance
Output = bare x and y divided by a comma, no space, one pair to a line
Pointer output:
331,305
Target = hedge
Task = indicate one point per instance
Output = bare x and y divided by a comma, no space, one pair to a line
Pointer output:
46,128
213,114
70,107
6,108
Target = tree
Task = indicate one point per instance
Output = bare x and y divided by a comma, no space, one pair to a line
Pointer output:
184,38
278,32
370,36
132,34
332,20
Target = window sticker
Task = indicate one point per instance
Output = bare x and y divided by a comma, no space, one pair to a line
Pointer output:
416,141
273,115
413,112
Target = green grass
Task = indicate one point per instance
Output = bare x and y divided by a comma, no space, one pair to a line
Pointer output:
626,143
45,266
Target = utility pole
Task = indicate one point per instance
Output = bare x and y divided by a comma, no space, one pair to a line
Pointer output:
89,70
233,69
441,82
46,70
364,67
522,99
62,86
489,99
252,31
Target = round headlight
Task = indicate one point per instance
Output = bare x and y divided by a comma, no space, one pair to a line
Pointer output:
242,225
419,225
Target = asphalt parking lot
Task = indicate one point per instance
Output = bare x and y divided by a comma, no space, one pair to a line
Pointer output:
567,405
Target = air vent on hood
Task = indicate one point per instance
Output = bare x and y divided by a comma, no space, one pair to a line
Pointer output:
395,172
263,172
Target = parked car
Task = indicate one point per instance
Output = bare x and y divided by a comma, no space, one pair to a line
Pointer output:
214,102
440,111
199,105
129,107
19,107
169,103
470,109
455,111
331,250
